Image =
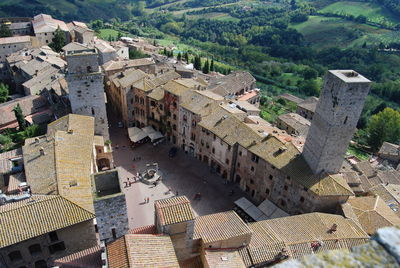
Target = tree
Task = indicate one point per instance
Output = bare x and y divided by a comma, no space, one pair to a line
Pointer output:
58,40
20,117
212,65
186,56
179,57
5,31
310,73
119,36
165,51
206,67
4,92
197,62
384,126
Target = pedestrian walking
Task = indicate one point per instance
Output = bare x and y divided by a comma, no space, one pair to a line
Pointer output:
148,199
145,200
177,193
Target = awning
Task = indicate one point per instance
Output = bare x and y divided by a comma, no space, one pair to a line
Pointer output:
152,133
148,130
136,134
155,136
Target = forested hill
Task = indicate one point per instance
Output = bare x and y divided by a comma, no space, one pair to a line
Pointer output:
83,10
87,10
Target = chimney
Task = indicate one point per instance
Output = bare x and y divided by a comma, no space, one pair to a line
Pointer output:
333,228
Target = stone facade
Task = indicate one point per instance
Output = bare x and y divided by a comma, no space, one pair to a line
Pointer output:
86,89
42,250
9,45
110,206
335,120
112,217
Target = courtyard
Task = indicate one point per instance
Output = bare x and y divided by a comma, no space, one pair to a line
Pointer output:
183,174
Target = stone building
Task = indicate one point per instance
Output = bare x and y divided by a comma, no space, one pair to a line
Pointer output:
121,94
194,106
105,50
80,32
115,66
57,227
390,152
233,84
293,124
109,205
335,120
306,108
18,25
44,28
174,92
9,45
86,89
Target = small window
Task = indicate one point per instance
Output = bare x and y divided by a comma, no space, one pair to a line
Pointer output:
161,107
251,182
174,116
238,165
174,127
240,153
345,120
285,187
131,100
252,168
41,264
271,177
254,158
267,191
213,150
53,236
114,233
302,199
92,111
60,246
15,256
227,161
282,203
35,249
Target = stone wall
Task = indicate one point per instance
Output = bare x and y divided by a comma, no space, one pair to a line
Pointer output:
335,120
75,238
111,213
86,90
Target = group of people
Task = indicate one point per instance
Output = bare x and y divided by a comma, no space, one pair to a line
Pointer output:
129,182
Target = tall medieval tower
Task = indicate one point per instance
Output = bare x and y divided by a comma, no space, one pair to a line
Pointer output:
335,120
86,88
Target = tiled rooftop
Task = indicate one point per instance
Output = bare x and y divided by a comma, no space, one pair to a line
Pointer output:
372,213
219,226
36,216
174,210
142,250
296,234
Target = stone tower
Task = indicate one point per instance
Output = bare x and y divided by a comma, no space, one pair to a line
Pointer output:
86,88
335,120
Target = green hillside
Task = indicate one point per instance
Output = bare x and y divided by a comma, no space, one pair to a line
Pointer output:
84,10
373,11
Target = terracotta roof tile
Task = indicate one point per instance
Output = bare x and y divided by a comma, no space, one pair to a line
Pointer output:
174,210
37,216
88,258
219,226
